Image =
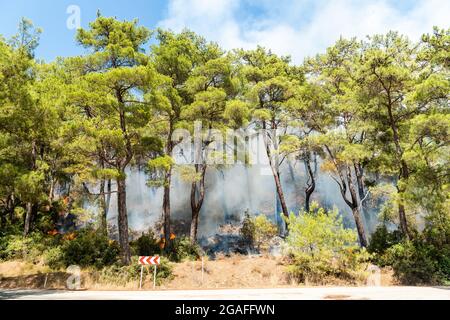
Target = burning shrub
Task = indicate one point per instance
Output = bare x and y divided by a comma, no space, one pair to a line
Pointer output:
258,231
318,246
90,248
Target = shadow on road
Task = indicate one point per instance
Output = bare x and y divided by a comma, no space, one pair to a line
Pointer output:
18,294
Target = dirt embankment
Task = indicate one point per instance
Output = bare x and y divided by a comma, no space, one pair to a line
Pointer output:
18,274
223,272
230,272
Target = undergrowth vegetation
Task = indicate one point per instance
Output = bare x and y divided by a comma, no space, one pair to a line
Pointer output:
257,231
319,248
422,260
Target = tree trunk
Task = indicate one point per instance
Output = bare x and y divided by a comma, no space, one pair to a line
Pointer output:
280,193
402,218
28,218
166,196
353,201
123,219
11,207
103,223
404,171
121,183
311,184
29,204
197,198
355,210
51,193
360,182
166,211
404,174
194,225
107,204
359,227
275,170
108,195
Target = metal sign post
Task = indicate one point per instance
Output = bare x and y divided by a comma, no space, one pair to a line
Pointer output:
203,269
140,282
154,277
144,261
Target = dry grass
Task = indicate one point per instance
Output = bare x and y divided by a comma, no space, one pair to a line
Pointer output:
19,274
229,272
20,268
236,271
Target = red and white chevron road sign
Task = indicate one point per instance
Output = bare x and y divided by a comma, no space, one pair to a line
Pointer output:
144,260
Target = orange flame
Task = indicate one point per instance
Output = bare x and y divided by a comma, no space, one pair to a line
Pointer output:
162,241
53,232
69,236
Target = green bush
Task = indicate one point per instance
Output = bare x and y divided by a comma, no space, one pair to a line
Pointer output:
417,262
90,248
121,275
318,246
258,231
423,260
15,247
28,248
382,239
184,249
54,258
145,245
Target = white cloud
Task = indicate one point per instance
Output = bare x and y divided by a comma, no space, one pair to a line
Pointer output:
301,28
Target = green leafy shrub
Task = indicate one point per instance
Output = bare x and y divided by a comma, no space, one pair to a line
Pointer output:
318,246
145,245
28,248
15,247
184,249
90,248
382,239
416,262
258,231
54,258
423,260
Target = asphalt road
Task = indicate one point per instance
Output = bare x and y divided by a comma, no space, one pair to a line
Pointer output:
316,293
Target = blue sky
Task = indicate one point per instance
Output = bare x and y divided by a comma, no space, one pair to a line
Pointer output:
51,16
297,28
